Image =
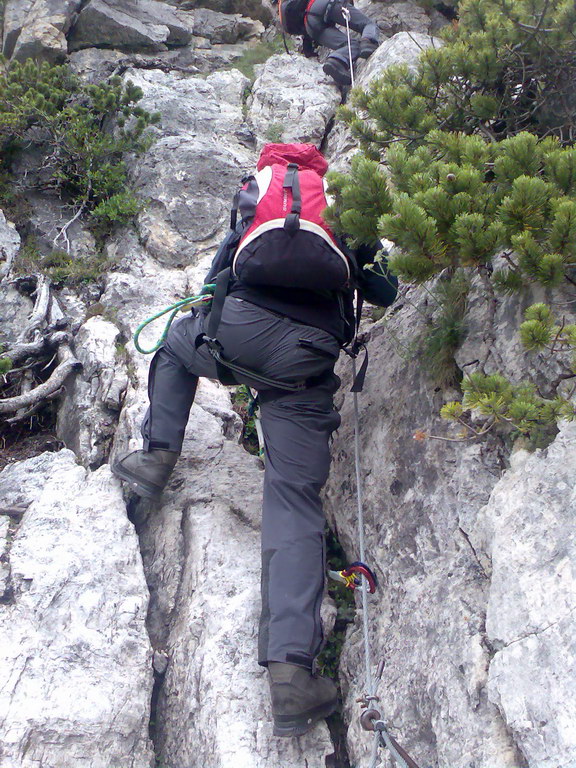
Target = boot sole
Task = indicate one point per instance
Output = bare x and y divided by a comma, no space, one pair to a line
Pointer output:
336,74
142,488
297,725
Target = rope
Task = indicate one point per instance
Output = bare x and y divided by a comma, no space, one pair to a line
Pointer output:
381,735
174,308
346,14
367,652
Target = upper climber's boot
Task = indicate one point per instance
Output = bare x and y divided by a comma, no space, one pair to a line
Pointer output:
338,71
147,472
299,698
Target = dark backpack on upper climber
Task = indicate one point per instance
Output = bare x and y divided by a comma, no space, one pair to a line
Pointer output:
291,13
283,239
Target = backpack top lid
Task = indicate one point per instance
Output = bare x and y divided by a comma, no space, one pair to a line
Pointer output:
306,156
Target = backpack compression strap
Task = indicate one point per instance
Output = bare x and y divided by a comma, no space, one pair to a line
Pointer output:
291,181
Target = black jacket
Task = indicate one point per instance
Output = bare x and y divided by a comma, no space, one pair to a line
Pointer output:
333,311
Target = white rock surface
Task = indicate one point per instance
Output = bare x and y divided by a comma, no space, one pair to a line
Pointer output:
531,615
477,596
292,100
75,654
9,244
402,48
405,16
190,174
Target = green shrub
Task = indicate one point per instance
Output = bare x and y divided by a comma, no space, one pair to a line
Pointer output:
508,66
450,174
82,132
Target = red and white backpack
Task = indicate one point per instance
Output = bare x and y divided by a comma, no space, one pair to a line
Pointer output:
285,241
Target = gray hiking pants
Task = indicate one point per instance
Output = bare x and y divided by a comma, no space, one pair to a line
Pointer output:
297,429
323,31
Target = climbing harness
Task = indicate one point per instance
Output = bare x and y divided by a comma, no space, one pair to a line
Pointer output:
203,297
370,718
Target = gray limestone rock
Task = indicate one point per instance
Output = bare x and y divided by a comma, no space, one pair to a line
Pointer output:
405,16
9,244
427,621
75,652
191,173
190,184
476,599
291,100
38,28
14,312
225,27
402,48
254,9
129,24
530,621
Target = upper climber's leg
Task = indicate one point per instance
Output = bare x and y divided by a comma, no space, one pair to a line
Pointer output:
320,23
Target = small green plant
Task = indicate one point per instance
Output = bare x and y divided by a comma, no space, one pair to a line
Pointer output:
61,267
258,54
5,362
519,408
275,132
242,403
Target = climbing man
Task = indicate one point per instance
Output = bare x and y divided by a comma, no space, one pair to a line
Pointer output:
282,309
317,20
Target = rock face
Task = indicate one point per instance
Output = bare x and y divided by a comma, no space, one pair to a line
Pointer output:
38,28
456,605
224,27
406,16
75,652
131,24
191,171
532,599
292,100
474,618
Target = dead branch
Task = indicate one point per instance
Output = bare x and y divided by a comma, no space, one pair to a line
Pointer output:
23,415
67,364
23,350
41,306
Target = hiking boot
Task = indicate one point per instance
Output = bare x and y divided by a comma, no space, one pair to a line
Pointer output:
338,71
147,472
299,698
367,47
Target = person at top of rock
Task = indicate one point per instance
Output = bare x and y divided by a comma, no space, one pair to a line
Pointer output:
318,21
283,308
